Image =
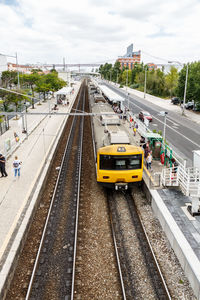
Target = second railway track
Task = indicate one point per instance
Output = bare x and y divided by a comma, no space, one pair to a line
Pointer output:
141,276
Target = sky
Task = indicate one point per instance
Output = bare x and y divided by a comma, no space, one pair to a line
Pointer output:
98,31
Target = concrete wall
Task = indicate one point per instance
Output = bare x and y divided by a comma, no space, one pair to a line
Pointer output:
184,252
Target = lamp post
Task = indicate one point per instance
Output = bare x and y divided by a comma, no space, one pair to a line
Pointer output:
145,83
164,114
186,79
128,100
110,75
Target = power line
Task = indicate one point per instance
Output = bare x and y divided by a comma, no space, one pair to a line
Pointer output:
156,57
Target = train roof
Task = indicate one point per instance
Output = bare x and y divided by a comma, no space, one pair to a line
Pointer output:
112,96
119,137
121,149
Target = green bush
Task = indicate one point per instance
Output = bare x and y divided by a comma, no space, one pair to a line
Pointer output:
154,131
121,86
134,86
160,132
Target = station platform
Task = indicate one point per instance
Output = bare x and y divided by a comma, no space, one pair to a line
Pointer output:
18,195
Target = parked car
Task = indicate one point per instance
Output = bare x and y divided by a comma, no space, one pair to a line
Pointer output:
175,100
145,114
189,105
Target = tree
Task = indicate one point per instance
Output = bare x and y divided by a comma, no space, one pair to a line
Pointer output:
105,70
172,80
126,77
5,104
136,70
16,99
8,77
42,86
116,71
31,80
193,84
55,82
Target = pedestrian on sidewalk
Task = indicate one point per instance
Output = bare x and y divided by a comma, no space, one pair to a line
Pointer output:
149,160
130,124
3,166
16,137
17,166
134,131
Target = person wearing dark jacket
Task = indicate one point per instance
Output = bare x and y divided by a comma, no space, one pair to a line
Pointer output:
3,166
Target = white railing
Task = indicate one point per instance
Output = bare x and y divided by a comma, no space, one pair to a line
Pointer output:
187,178
169,177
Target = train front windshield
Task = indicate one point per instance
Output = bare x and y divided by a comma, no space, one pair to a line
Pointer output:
120,162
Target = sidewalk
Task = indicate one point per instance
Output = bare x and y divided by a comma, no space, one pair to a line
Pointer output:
18,197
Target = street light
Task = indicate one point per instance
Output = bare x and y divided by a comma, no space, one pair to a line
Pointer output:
145,83
186,79
164,114
128,100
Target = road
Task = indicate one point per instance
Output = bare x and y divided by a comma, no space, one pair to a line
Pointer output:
181,133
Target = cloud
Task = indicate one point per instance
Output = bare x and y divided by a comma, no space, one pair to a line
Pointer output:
93,30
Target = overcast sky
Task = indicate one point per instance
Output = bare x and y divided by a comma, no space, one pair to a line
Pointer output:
88,31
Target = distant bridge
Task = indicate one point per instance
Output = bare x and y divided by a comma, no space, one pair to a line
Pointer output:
70,65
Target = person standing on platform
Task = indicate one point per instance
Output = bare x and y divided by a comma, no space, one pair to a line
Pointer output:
16,137
3,166
17,166
149,160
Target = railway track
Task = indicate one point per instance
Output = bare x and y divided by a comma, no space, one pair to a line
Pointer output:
48,264
141,277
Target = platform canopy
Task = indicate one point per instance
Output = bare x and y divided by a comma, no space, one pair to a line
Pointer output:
64,91
110,94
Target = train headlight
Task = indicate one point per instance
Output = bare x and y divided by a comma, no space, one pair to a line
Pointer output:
121,149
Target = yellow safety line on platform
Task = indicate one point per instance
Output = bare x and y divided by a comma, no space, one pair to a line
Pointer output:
149,175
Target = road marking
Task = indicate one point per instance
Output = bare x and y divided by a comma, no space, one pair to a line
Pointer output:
185,137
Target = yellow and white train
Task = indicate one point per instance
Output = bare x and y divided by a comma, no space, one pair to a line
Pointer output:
119,162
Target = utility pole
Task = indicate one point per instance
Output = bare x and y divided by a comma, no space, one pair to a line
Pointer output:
185,90
63,64
186,79
145,83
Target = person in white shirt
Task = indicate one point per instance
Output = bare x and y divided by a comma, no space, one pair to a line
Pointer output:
17,166
149,160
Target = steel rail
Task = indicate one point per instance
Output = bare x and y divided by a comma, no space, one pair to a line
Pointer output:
48,216
77,207
116,252
151,249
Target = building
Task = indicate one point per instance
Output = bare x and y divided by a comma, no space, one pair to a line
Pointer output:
25,69
130,58
151,66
